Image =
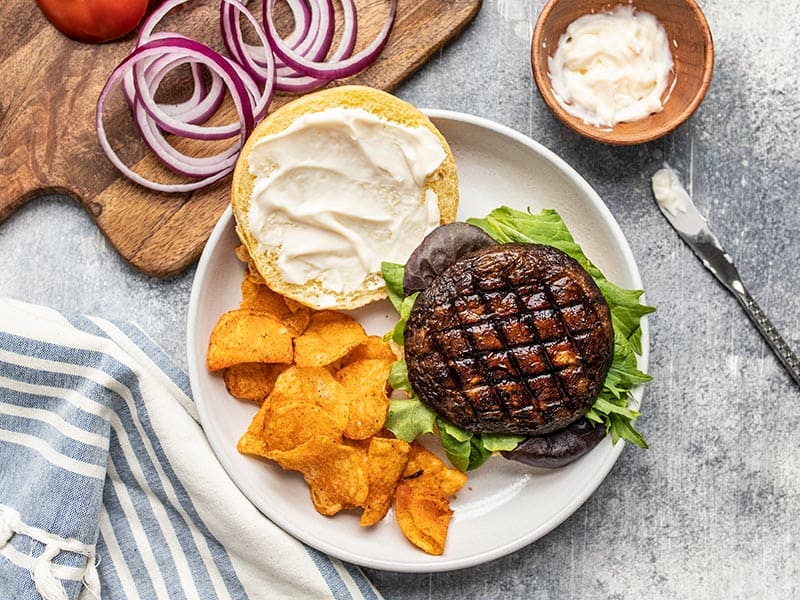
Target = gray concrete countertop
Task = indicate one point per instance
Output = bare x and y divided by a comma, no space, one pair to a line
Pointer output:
710,510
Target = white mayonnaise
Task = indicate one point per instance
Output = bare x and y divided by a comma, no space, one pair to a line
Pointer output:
669,192
612,67
338,192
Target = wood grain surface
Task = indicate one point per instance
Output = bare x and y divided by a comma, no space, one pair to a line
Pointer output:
49,87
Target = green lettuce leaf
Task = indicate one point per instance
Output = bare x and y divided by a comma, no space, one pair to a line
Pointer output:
496,442
393,277
408,419
398,377
464,449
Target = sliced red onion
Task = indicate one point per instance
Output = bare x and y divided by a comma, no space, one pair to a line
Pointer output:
322,69
245,53
149,24
185,119
193,167
289,80
145,88
203,102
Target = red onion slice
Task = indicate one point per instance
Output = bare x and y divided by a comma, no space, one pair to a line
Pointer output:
176,161
327,70
193,167
198,108
289,80
185,119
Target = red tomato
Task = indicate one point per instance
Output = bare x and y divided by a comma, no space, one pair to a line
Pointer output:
94,21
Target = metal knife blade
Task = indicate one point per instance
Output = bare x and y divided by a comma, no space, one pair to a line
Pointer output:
676,205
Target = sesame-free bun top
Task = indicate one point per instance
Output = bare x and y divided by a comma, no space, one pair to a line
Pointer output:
443,182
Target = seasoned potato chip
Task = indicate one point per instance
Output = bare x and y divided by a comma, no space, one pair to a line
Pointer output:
322,386
256,296
313,385
241,253
260,298
421,499
423,515
365,382
294,305
252,442
335,473
297,321
293,423
252,381
243,336
424,464
252,271
372,347
328,337
386,460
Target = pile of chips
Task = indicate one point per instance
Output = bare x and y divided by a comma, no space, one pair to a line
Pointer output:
321,383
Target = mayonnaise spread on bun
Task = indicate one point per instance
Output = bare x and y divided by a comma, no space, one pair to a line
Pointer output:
339,191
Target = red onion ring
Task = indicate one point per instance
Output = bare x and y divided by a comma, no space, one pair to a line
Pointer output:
222,162
289,80
257,61
327,70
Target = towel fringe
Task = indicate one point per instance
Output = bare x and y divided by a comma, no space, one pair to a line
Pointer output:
91,578
46,583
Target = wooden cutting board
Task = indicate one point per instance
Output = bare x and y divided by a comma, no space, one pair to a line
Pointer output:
49,86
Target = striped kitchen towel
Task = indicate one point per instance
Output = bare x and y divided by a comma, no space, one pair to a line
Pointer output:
109,488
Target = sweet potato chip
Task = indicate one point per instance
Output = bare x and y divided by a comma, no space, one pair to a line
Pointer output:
313,385
252,381
335,473
372,347
386,460
328,337
243,336
423,515
365,382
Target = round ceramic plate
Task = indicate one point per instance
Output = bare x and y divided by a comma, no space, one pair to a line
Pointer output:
504,505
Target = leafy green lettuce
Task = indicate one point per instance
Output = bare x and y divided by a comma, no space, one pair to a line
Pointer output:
409,418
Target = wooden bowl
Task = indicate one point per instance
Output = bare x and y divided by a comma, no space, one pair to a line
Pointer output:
692,55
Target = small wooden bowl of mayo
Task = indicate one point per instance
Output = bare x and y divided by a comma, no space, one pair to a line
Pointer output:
622,73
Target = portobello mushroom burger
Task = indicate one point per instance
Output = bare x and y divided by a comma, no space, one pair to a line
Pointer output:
508,338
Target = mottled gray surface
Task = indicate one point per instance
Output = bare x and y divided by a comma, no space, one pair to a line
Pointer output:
710,510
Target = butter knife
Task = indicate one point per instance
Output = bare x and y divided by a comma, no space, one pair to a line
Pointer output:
676,205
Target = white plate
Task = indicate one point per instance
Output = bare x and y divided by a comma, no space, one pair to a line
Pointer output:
504,505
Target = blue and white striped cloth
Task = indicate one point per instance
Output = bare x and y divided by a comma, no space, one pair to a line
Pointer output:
109,488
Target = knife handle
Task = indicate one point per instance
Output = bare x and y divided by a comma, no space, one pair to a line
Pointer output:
776,342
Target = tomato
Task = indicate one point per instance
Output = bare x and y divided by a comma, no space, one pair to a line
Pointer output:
94,21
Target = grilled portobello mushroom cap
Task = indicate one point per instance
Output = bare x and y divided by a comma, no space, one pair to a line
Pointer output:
512,338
